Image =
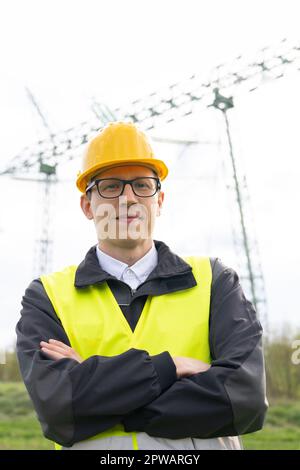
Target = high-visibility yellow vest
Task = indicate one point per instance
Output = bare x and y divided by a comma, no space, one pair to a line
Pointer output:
177,322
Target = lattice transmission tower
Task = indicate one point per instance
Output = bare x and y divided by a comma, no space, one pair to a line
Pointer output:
168,105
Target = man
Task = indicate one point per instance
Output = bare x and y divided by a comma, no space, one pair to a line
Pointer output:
138,348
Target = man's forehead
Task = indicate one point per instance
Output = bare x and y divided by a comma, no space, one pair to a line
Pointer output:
142,170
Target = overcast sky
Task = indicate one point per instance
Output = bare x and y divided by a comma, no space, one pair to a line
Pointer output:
67,52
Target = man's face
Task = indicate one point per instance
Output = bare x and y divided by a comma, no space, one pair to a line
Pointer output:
126,220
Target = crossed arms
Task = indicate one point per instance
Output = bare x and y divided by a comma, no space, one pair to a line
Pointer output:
76,400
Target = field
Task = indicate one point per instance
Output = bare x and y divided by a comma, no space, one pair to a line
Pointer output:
19,428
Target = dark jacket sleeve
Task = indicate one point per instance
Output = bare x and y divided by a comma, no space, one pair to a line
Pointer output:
75,401
229,398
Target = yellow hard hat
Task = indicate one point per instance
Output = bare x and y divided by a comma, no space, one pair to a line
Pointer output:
117,144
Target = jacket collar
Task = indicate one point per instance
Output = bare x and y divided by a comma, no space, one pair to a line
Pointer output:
141,268
89,271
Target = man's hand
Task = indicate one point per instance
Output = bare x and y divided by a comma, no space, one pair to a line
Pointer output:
186,366
58,350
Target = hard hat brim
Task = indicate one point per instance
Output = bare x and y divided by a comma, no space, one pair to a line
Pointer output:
158,165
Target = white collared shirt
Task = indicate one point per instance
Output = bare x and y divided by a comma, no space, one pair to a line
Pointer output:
133,275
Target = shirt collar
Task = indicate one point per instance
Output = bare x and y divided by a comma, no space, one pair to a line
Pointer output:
109,264
145,265
89,271
141,268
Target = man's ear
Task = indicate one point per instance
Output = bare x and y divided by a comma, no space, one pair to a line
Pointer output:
85,205
160,201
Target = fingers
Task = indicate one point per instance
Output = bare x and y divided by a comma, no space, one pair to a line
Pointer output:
54,355
58,350
55,348
59,343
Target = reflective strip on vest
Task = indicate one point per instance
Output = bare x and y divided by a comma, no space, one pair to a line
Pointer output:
96,325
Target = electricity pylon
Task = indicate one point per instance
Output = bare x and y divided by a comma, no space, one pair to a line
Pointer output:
177,101
43,251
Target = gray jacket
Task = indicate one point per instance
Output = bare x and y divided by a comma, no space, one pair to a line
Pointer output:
141,391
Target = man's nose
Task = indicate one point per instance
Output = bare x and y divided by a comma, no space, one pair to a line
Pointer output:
128,192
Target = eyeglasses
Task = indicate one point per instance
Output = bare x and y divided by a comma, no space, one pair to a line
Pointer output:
113,187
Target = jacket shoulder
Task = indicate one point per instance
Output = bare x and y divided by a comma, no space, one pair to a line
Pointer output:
218,268
66,272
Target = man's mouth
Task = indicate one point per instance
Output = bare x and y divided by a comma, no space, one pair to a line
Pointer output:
128,217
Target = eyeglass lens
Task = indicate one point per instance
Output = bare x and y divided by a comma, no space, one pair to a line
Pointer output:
114,187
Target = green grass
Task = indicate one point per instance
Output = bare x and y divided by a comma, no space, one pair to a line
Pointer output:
20,429
281,430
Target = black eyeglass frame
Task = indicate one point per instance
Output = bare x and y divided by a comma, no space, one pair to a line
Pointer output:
124,182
